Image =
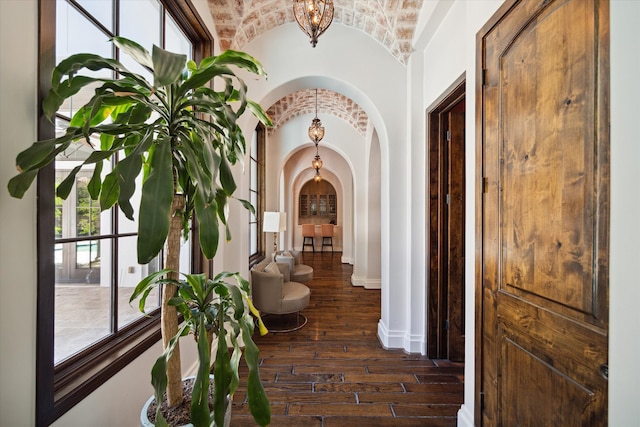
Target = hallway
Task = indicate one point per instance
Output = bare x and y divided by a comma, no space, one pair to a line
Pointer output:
334,372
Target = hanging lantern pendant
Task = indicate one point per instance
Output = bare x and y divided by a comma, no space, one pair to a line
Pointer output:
313,17
316,130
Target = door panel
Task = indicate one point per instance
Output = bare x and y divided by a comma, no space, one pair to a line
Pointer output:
455,234
544,219
563,407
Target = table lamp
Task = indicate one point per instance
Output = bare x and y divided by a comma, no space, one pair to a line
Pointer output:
274,222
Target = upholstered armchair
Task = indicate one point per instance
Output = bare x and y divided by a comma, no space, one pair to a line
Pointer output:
299,272
273,292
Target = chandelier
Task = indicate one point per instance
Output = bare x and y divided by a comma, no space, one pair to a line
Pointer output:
313,17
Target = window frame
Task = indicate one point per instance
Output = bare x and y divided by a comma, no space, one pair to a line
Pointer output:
260,135
60,387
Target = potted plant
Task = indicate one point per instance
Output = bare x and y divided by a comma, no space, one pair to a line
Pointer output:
181,134
209,308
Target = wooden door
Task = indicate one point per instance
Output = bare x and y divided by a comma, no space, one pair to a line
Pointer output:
445,321
446,227
543,230
455,206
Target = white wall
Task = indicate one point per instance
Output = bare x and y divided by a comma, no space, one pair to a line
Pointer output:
17,217
624,296
447,52
119,400
374,249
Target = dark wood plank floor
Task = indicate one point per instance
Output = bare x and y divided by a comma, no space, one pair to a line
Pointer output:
334,372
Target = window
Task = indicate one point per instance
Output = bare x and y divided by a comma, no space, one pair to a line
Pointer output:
256,194
87,261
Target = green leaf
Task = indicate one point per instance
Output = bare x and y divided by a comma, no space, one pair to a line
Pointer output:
198,169
64,188
110,190
62,89
235,363
208,231
128,169
260,114
159,382
223,208
55,98
159,375
35,154
226,177
196,283
258,401
96,182
167,66
222,374
200,415
148,282
98,156
247,205
155,204
91,114
201,77
238,302
134,50
240,60
19,184
106,141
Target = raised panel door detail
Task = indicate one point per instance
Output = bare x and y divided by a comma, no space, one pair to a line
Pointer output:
547,156
544,220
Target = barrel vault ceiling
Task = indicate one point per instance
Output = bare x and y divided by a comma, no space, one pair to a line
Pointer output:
390,22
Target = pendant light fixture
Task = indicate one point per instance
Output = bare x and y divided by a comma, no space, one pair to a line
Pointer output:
313,17
316,133
316,163
316,130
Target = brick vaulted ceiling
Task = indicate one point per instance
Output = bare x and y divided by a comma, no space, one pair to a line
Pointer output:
329,102
390,22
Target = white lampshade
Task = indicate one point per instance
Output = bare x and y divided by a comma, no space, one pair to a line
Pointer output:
274,222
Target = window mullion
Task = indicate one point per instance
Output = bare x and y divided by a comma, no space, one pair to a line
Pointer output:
60,386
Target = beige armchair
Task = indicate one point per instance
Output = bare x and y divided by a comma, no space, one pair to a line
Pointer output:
273,292
299,272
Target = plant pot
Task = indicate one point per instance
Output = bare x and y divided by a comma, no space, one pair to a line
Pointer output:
145,422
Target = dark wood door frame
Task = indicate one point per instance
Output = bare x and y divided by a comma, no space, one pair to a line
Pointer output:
445,210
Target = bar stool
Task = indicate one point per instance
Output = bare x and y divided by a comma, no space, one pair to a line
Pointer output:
327,236
308,234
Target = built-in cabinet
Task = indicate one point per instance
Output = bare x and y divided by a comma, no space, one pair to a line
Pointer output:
317,203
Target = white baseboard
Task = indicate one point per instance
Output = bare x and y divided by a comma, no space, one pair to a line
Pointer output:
390,339
415,344
357,280
465,416
366,283
373,284
347,260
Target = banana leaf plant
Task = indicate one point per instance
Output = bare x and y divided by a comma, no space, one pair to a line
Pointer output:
179,132
211,307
